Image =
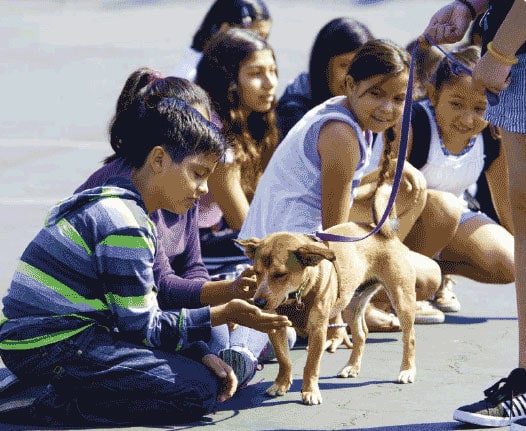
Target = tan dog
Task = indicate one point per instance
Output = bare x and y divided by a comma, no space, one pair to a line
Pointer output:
312,281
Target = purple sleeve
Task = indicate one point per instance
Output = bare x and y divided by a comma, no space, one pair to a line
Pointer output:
190,262
174,291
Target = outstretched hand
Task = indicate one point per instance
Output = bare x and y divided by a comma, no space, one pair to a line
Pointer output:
225,373
245,314
448,24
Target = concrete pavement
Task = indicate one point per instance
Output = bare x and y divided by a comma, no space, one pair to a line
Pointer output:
63,65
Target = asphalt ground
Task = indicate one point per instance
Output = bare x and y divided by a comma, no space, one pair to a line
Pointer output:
63,64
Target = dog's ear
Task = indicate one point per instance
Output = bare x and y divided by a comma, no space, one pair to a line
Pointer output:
312,254
250,245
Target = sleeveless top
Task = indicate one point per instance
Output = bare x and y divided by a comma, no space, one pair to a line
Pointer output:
443,171
288,195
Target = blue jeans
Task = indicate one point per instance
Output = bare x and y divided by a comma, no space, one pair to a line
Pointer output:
96,379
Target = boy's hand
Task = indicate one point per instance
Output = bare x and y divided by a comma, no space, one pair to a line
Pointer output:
225,373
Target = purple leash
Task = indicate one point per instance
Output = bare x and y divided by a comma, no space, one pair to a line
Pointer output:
404,137
456,67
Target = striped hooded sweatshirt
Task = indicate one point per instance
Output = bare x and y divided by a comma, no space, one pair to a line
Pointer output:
92,263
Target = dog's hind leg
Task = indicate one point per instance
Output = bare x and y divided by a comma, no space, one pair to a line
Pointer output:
354,315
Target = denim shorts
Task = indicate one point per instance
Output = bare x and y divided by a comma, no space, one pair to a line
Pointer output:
510,113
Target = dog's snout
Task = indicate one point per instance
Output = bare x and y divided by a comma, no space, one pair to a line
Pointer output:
260,302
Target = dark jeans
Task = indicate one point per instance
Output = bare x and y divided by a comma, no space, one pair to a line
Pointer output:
96,379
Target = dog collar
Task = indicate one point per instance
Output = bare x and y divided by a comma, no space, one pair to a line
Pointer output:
296,295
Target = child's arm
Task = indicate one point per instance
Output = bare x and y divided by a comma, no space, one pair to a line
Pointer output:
339,152
225,185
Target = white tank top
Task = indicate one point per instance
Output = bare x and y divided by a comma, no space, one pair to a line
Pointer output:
288,195
443,171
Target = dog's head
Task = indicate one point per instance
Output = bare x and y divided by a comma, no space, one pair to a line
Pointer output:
283,263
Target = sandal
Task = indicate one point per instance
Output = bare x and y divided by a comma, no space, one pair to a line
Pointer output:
380,321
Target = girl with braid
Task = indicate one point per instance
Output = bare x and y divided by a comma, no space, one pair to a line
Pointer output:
314,178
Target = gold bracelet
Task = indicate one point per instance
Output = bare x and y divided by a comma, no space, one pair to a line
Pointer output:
508,61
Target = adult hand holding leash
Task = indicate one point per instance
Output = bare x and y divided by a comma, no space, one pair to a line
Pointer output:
450,23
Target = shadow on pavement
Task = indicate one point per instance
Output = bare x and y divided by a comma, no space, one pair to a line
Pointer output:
438,426
464,320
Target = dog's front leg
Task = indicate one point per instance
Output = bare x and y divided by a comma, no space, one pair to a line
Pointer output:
310,392
284,378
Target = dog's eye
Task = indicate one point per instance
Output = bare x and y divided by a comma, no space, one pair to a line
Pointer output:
279,275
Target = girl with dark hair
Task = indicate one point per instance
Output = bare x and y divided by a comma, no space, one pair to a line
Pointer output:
450,135
315,174
239,72
222,15
330,57
81,315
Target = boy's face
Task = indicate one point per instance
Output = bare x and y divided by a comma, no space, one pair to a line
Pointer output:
459,109
180,185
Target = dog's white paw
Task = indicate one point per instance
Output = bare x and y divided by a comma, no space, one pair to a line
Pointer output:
349,371
311,398
407,376
277,390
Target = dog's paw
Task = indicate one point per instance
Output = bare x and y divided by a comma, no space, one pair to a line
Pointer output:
277,390
311,398
407,376
349,371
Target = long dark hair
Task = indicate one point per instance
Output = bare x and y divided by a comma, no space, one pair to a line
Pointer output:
237,13
338,36
155,87
255,137
380,57
167,122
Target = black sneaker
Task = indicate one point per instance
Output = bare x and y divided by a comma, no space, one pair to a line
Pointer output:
504,404
520,425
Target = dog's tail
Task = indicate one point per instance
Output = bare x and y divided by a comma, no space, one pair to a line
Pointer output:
383,189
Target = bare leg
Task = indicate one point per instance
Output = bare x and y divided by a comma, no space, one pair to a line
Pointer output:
515,145
481,250
437,224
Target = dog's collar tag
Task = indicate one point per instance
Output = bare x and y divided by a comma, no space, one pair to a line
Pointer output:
297,296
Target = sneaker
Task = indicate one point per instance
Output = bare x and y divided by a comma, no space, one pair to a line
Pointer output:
519,425
504,404
268,354
428,314
242,361
445,299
